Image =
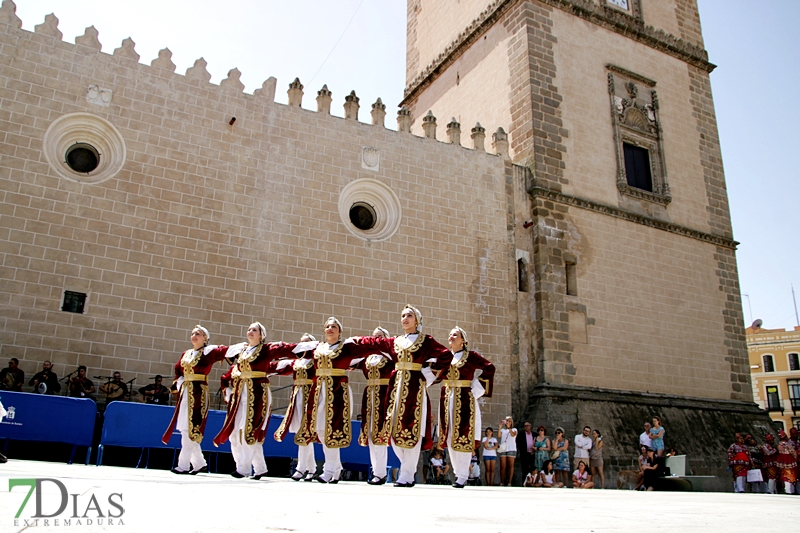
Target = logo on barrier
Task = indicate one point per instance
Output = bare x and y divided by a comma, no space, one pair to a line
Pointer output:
63,508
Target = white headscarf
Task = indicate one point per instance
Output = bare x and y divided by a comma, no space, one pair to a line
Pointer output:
262,329
463,336
204,330
385,333
336,321
416,314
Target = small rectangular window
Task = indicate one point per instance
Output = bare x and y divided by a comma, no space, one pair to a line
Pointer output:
794,361
572,279
74,302
769,365
522,275
637,167
794,393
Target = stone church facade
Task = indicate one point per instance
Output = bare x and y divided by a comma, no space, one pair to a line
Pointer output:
572,215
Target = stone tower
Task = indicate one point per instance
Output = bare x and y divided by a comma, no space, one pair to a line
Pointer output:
628,301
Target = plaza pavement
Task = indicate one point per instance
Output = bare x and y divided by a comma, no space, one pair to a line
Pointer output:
157,501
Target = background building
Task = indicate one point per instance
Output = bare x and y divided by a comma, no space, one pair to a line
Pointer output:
775,370
589,256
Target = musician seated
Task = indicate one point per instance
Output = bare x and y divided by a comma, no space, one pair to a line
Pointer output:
80,386
115,389
155,393
13,377
46,381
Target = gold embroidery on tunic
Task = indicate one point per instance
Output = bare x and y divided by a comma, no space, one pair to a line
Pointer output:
189,385
405,438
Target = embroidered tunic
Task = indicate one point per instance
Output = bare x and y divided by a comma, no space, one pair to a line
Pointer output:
787,461
191,382
330,390
739,459
378,369
296,419
408,386
251,386
458,381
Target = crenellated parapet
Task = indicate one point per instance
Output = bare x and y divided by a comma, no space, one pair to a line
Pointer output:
163,66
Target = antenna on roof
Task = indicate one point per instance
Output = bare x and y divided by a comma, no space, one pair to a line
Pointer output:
796,319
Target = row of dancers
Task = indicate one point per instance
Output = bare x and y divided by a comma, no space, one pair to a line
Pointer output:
396,409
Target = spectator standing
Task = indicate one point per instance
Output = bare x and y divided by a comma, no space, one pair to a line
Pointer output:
525,442
560,457
769,467
644,438
13,377
739,462
542,446
583,443
596,459
657,437
48,377
490,446
507,451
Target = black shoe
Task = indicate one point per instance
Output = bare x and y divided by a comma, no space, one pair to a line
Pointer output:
458,486
298,475
180,472
377,480
3,458
201,470
319,478
236,474
310,477
258,476
409,485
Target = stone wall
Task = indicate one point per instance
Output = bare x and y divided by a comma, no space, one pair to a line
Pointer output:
222,222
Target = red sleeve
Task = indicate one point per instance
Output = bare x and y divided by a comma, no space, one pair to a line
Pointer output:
364,346
225,380
436,351
487,373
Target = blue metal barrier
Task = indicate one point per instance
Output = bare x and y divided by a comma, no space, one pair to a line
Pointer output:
139,425
37,417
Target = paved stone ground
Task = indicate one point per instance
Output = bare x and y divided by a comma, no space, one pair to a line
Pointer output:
156,501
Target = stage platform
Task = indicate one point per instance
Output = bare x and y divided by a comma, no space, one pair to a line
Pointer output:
161,501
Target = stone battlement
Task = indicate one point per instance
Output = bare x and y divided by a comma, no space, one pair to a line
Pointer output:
163,66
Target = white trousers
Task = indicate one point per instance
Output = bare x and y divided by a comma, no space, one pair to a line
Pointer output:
788,487
191,456
738,484
248,457
378,457
333,463
461,465
771,486
305,459
409,458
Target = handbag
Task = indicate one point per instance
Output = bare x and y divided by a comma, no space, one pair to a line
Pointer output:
754,476
502,448
555,455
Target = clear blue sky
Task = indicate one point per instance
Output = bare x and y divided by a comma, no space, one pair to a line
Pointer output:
755,44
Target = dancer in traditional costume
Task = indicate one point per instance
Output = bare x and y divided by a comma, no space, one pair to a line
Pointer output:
465,378
191,408
330,398
787,462
409,410
739,462
250,400
378,369
769,467
296,420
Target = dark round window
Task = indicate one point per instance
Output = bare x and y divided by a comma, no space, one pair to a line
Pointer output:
82,157
362,216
